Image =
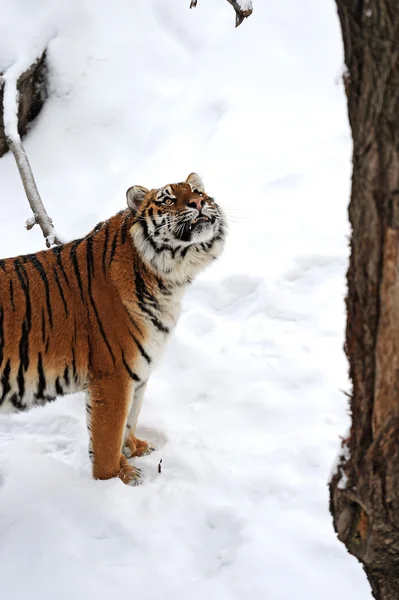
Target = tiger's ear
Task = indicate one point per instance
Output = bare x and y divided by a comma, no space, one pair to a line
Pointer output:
135,196
196,182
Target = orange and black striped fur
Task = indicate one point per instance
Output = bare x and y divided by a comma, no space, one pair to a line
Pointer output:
95,313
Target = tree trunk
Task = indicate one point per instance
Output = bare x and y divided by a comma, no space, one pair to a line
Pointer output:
365,489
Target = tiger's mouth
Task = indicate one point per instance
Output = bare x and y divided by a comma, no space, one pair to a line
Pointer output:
199,219
202,222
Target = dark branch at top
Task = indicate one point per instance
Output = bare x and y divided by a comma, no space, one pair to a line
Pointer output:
241,12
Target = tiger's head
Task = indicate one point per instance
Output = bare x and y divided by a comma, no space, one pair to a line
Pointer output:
178,228
177,214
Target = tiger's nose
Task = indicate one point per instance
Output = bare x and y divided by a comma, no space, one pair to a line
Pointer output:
197,203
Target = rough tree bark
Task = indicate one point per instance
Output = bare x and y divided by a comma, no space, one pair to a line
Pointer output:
365,489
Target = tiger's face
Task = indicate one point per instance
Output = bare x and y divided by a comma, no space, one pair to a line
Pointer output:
177,214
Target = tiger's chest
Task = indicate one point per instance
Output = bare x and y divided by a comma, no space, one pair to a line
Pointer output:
159,317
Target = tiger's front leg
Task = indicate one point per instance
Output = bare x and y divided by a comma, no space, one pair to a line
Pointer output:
133,446
108,409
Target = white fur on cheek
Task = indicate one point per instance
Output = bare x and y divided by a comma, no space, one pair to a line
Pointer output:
176,260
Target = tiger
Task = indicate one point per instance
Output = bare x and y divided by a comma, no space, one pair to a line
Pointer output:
94,314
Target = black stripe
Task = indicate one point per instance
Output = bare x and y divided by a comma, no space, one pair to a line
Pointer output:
23,279
143,297
143,294
141,290
58,387
165,291
128,369
17,402
57,253
150,213
148,238
89,261
59,286
5,381
90,253
75,263
41,378
24,346
43,327
101,327
154,320
133,322
98,227
146,231
124,229
90,357
3,264
164,248
23,358
74,364
90,270
40,269
11,286
47,398
21,380
105,247
141,349
113,247
66,375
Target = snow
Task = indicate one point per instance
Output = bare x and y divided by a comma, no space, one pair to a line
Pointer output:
245,409
245,4
25,31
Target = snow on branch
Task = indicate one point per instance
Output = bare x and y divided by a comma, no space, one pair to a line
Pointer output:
10,117
243,9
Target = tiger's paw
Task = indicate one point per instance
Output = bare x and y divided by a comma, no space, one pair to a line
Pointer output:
129,474
135,447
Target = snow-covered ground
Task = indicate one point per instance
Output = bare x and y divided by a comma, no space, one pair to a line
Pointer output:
247,406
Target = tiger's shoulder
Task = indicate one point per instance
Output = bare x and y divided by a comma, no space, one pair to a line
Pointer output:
104,238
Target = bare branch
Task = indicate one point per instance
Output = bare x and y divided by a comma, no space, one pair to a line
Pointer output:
40,216
10,117
243,9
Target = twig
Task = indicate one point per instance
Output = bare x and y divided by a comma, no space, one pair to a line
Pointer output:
243,9
10,117
40,216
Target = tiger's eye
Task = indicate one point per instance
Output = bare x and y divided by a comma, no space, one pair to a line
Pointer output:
168,201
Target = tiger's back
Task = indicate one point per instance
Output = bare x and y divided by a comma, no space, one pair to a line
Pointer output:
54,305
